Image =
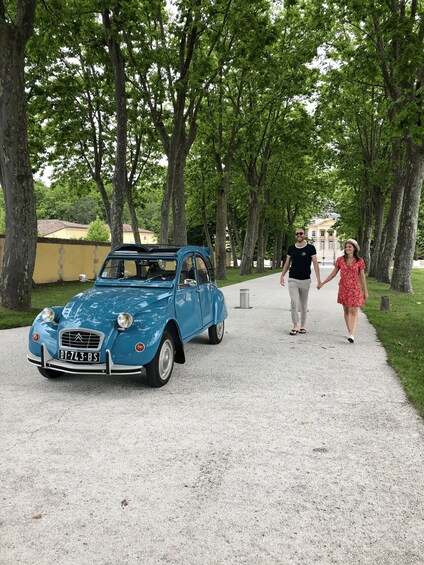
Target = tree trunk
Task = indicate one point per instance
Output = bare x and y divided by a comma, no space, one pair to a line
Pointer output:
133,214
235,240
15,168
178,149
205,224
120,172
221,233
221,225
105,199
262,243
405,248
251,234
166,206
366,236
378,229
178,205
260,253
278,250
390,232
233,249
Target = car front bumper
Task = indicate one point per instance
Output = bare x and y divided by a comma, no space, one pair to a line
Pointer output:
46,361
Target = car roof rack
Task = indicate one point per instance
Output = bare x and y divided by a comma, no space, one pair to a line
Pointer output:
152,248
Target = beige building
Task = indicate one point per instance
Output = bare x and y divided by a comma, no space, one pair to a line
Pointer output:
323,235
67,230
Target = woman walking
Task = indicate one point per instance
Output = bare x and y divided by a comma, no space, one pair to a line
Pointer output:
352,277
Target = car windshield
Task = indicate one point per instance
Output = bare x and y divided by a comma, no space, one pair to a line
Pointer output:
141,269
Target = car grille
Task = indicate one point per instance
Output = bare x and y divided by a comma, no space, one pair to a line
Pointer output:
80,339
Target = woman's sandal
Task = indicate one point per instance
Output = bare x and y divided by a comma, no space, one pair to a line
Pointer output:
294,332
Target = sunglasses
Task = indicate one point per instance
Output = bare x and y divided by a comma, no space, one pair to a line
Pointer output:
299,233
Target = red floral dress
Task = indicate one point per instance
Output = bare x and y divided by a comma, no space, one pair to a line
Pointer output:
350,292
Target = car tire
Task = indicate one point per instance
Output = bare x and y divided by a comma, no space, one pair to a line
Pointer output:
159,370
216,333
49,373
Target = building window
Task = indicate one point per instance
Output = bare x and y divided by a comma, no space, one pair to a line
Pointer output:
322,233
314,233
322,245
331,244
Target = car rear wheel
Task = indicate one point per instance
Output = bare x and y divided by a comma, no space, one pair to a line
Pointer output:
159,370
216,333
49,373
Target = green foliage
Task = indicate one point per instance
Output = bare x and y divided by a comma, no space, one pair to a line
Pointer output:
97,231
60,202
290,94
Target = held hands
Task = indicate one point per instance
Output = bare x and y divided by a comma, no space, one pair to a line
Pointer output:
320,285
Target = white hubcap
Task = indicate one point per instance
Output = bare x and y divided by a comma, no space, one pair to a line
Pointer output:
166,358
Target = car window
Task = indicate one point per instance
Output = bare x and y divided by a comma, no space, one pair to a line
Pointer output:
139,269
187,270
202,270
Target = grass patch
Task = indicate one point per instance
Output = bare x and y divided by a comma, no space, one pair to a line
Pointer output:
54,294
234,277
401,331
58,294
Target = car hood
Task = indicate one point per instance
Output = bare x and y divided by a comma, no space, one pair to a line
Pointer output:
98,305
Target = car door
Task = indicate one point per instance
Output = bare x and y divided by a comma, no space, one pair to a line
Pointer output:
205,290
187,301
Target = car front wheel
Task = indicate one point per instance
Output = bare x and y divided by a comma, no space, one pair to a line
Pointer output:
216,333
159,370
49,373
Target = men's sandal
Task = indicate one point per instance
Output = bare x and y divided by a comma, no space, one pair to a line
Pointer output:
302,331
294,332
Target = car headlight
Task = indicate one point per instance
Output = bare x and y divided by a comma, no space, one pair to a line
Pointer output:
47,315
124,320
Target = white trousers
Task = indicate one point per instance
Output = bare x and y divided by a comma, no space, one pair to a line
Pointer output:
299,290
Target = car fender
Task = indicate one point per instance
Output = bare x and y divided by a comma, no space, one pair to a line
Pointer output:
47,332
219,307
148,331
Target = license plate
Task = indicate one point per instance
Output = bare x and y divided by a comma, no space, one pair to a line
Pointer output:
79,356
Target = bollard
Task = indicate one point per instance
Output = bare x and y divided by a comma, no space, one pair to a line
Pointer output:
385,303
244,298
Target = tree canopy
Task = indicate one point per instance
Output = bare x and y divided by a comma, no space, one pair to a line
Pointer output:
223,122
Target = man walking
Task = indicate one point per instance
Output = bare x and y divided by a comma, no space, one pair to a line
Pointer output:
299,257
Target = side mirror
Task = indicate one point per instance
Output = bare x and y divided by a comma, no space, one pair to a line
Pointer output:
190,282
82,278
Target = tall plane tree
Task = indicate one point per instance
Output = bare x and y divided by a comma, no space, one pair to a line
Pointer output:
399,33
393,35
174,63
16,28
113,28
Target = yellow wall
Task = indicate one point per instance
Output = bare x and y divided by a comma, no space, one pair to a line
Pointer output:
145,238
63,260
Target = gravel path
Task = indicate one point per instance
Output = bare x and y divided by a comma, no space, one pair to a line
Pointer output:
267,448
